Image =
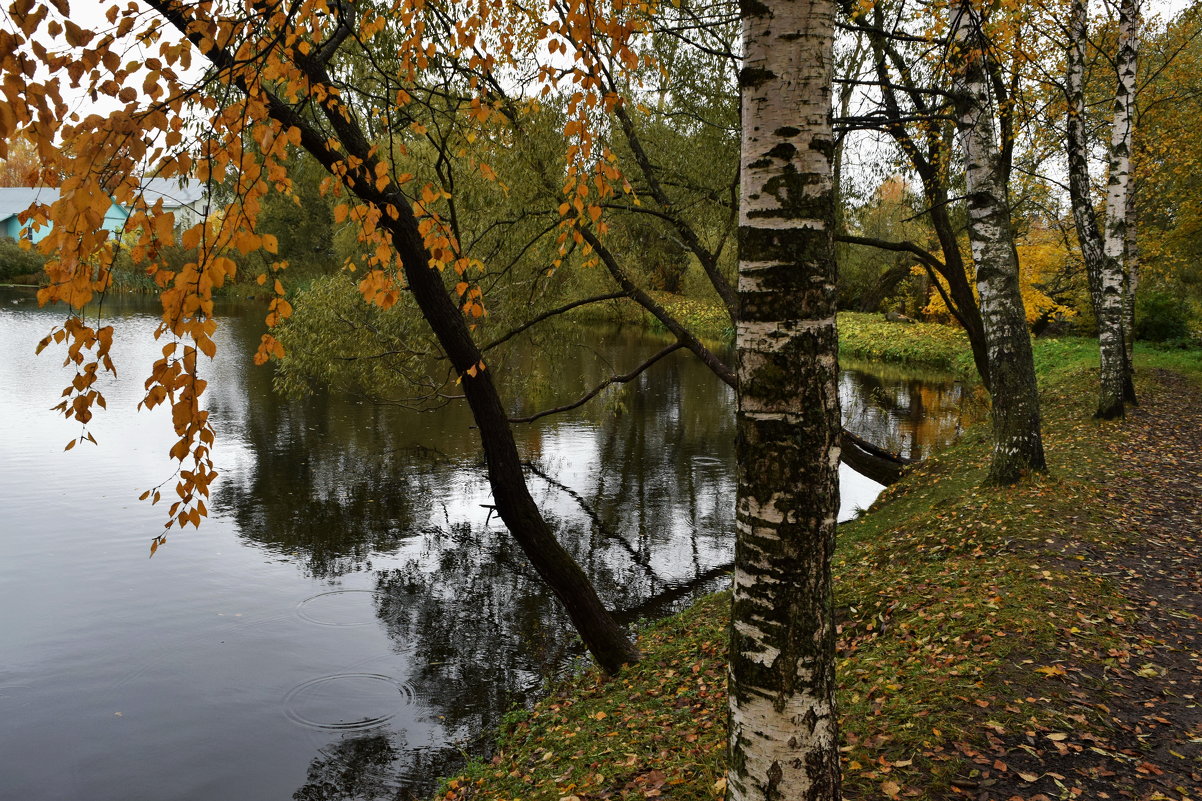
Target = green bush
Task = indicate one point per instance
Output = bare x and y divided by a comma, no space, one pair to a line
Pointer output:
16,262
1161,317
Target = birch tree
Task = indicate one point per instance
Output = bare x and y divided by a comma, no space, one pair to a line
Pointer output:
783,724
277,78
911,87
1018,440
1113,284
1104,256
1077,145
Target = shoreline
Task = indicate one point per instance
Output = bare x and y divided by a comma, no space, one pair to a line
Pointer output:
966,619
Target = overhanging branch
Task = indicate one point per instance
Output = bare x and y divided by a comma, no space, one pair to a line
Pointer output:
546,315
615,379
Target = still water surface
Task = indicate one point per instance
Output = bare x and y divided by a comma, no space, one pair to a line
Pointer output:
351,619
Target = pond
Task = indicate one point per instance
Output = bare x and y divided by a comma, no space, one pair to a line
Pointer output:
352,618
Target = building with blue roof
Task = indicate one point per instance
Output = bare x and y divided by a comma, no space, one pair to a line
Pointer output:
188,200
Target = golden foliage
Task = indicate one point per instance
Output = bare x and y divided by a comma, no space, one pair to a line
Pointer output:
1042,256
267,88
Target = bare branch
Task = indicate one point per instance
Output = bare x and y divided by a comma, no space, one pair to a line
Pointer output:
616,379
545,315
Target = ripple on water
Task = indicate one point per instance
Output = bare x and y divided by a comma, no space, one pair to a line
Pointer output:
339,608
13,696
347,701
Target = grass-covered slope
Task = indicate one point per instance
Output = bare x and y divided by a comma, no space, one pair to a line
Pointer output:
870,337
969,623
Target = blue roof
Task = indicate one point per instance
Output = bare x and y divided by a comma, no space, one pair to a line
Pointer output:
174,194
15,199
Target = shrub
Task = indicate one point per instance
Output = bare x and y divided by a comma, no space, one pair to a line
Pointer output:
16,262
1161,317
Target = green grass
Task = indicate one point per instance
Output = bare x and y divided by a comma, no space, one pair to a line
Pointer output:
865,337
956,605
870,337
707,319
1187,361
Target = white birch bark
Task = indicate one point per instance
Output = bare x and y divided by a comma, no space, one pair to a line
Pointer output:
1131,274
1103,267
1018,443
1089,236
1113,284
783,725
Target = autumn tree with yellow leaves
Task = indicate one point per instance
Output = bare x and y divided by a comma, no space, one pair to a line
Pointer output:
223,91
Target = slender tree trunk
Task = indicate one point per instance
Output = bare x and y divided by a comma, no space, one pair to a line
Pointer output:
783,723
1100,265
1018,442
1131,274
960,290
1093,250
1113,306
848,68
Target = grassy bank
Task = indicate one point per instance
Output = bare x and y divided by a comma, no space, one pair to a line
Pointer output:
958,609
871,338
865,337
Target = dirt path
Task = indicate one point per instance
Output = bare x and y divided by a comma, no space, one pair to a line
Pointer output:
1150,692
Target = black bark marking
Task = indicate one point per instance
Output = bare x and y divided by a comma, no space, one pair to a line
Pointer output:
754,77
784,151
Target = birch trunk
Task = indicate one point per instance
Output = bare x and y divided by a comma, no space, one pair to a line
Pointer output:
1131,274
1093,251
1112,305
783,726
1018,443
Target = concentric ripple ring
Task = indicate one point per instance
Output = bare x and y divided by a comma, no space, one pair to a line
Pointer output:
347,701
323,608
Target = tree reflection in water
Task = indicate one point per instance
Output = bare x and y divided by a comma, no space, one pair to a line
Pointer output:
638,489
902,409
355,768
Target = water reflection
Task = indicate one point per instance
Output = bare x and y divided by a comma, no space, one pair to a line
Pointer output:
907,411
355,768
354,617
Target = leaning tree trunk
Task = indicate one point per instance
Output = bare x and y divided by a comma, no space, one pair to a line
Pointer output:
1018,443
968,309
783,726
1113,307
602,635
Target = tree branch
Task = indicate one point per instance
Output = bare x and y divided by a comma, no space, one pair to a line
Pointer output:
682,334
615,379
545,315
922,255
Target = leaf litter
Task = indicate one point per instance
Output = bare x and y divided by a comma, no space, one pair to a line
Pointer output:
1024,644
